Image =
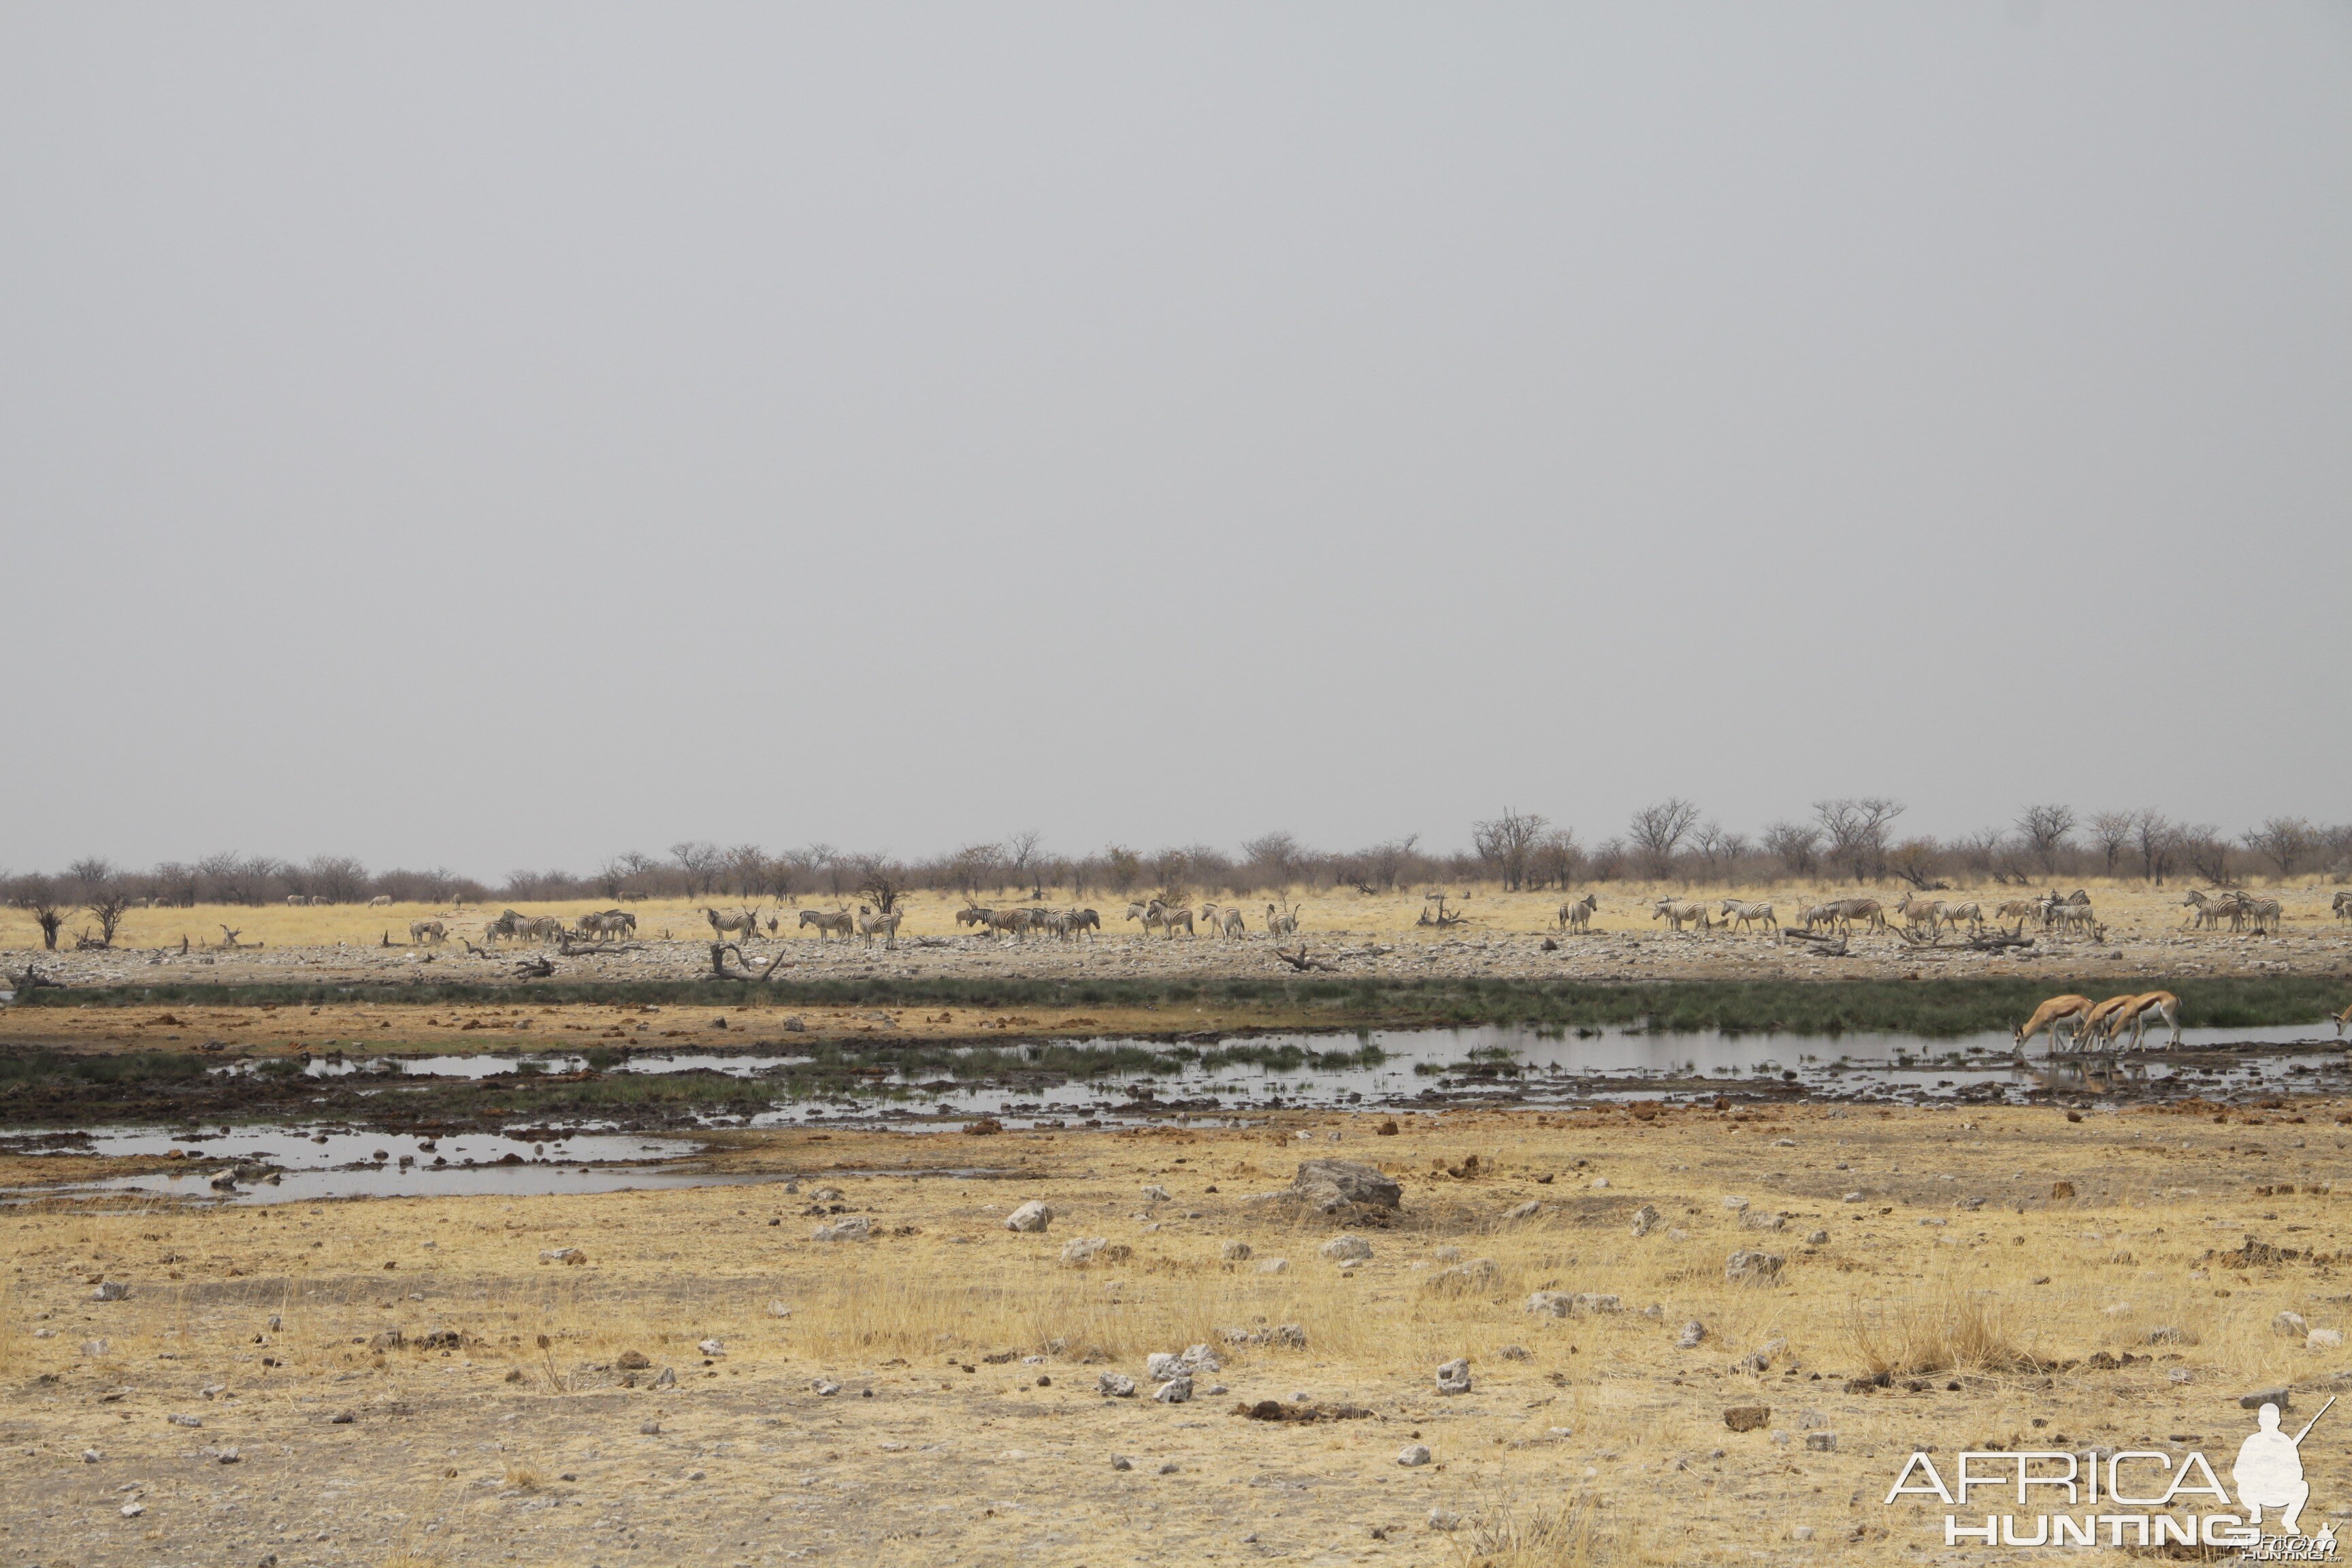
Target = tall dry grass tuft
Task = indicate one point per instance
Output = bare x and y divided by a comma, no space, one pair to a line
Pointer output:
16,1337
1510,1532
1956,1329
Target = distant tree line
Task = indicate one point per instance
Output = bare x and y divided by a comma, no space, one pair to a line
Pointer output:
1850,840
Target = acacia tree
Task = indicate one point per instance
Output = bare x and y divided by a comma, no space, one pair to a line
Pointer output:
699,863
1856,831
1506,842
2156,838
1658,831
882,880
1278,856
106,900
2112,832
2045,829
2283,841
1793,843
1557,857
39,897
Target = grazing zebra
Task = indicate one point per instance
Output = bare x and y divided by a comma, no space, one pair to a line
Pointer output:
421,931
605,924
746,922
1870,911
1736,914
1222,920
832,922
868,922
1086,921
2076,918
1576,915
2206,910
508,924
1916,911
2019,910
1818,915
1007,922
1281,923
2051,1016
1178,916
1970,915
2344,906
1676,915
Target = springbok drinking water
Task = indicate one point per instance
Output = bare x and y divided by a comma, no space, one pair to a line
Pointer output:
2050,1015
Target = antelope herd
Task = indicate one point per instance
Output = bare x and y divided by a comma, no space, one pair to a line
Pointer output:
2097,1026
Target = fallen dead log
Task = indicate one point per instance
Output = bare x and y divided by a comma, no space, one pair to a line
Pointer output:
1997,943
534,968
1300,961
1826,946
719,970
570,949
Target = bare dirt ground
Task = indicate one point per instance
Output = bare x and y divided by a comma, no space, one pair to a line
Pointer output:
1502,935
930,1395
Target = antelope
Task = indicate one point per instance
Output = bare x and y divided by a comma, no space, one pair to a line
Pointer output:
746,922
1690,911
2163,1004
888,924
1916,911
1736,914
1969,914
2343,1020
383,901
1577,913
2095,1021
1845,911
2050,1015
836,922
419,930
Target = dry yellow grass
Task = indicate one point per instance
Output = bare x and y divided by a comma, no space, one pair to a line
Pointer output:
922,1460
2127,905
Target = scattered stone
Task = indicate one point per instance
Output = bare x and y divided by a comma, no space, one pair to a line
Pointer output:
632,1361
825,1387
227,1455
111,1291
2291,1324
1527,1210
1114,1385
1817,1238
1155,1195
1801,1532
1273,1264
1175,1391
1331,1185
1445,1519
2261,1396
1734,1204
342,1418
849,1227
2060,1190
1478,1274
1765,1219
712,1347
1121,1462
1347,1250
93,1349
1851,1197
1454,1377
1753,1268
669,1379
2324,1339
1084,1249
182,1420
1694,1335
1647,1219
649,1428
1748,1418
1413,1454
1593,1305
92,1455
1821,1442
2166,1334
1170,1467
133,1509
567,1255
1234,1251
1515,1352
1031,1217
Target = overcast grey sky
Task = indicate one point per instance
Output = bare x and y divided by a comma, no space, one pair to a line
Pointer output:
493,435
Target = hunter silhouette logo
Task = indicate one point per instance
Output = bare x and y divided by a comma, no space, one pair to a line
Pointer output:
2145,1484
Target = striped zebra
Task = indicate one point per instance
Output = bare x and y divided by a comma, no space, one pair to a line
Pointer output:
1576,915
828,923
2264,914
2344,906
1869,911
1970,915
1736,914
2076,918
1918,911
1678,914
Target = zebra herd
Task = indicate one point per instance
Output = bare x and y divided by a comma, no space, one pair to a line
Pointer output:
2242,909
1221,920
603,925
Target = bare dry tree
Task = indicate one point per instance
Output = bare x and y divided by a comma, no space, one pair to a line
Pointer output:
1507,843
2284,841
1022,858
1856,830
2158,840
2112,832
883,881
1658,831
39,897
1793,845
2045,829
